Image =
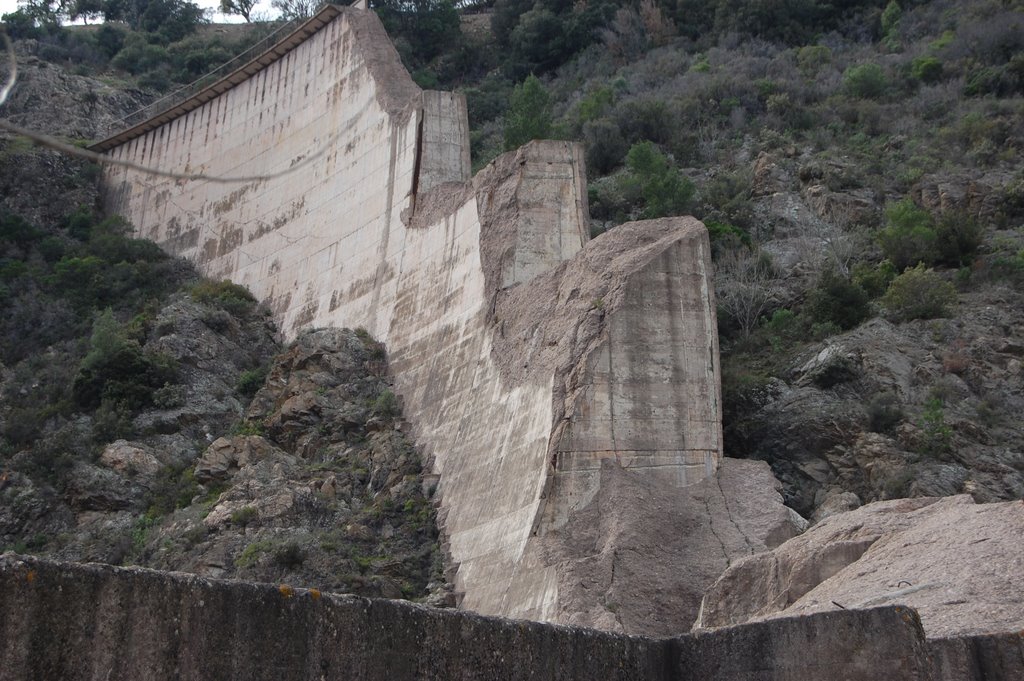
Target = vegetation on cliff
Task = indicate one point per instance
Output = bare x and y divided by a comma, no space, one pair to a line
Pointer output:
151,417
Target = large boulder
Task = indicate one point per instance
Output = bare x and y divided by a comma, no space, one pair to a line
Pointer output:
956,562
227,455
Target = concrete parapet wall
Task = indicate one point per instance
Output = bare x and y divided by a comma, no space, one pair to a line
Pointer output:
67,621
528,357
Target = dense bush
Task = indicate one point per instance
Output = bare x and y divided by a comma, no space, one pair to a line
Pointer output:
53,283
605,145
909,237
865,81
884,413
428,27
957,239
224,294
249,382
927,69
663,188
117,370
918,293
838,300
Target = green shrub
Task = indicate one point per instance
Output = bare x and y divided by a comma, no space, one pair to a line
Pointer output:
605,145
873,279
865,81
116,369
229,296
910,236
243,516
918,293
289,555
251,553
251,380
664,189
386,404
1008,268
596,104
891,17
247,427
958,237
724,234
838,300
172,488
884,413
926,69
937,436
112,420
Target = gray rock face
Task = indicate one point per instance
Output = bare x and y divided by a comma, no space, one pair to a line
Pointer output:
956,562
129,459
50,99
227,455
818,424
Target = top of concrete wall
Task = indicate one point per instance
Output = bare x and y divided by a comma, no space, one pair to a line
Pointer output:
324,15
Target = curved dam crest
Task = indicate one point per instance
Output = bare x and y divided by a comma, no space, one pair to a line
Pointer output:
566,391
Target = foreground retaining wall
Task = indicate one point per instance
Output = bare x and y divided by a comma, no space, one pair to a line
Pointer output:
67,621
530,360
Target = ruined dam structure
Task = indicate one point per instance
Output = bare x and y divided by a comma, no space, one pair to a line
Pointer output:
566,391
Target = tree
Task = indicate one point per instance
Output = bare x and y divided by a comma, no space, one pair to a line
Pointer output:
85,9
42,14
745,287
242,8
430,27
664,189
295,9
529,114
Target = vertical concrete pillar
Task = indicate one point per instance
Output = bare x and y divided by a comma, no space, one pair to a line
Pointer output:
444,140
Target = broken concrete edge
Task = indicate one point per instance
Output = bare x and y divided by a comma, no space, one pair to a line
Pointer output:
66,620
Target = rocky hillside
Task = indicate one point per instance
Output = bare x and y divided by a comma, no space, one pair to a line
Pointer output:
151,417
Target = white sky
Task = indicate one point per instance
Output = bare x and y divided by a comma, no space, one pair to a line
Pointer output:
7,6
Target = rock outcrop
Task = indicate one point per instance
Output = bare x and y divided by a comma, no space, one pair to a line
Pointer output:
847,416
956,562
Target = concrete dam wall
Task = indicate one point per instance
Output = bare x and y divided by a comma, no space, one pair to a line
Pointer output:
538,368
65,621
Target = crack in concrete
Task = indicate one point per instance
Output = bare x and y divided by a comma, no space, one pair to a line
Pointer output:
728,512
711,526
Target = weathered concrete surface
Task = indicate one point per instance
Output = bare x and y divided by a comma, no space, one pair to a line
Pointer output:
616,547
958,563
979,658
68,621
532,363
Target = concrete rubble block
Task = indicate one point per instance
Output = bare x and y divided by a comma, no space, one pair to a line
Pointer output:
882,643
